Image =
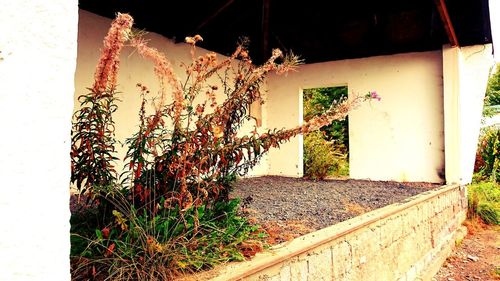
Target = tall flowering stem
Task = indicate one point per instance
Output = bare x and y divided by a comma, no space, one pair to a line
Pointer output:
93,141
195,162
187,151
106,73
165,74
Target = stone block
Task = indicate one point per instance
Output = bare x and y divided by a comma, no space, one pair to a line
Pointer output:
342,259
299,269
285,273
320,265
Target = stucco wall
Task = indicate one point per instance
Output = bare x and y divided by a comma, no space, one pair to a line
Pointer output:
134,69
465,76
37,65
399,138
476,64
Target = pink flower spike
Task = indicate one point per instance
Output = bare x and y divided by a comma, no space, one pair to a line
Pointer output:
374,95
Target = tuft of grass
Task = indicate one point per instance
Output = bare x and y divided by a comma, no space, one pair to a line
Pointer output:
137,245
484,202
496,272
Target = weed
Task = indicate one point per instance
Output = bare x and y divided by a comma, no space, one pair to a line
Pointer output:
136,246
487,164
484,202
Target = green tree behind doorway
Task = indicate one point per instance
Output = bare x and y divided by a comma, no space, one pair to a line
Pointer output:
334,138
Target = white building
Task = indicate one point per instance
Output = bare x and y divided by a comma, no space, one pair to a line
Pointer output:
429,61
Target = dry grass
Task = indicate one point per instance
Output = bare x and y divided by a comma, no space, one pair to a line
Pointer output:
474,224
279,232
355,208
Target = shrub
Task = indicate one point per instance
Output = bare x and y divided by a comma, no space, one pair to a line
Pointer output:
492,96
317,101
320,156
484,201
326,153
487,165
170,211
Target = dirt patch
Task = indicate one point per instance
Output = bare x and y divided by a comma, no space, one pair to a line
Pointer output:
476,258
296,206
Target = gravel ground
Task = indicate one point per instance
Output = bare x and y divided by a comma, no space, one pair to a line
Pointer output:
476,258
318,204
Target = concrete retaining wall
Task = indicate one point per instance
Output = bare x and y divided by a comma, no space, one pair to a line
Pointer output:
404,241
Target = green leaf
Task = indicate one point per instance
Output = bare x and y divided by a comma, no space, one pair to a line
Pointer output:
98,233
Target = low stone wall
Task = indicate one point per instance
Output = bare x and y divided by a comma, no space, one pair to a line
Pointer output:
403,241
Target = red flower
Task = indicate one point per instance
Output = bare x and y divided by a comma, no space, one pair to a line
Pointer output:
109,250
105,232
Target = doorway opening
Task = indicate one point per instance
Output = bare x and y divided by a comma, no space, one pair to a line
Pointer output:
326,152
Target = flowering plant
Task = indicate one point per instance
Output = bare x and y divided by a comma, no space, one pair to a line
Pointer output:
186,152
373,95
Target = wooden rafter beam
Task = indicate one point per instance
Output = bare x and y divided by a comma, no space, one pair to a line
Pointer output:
445,18
215,14
265,27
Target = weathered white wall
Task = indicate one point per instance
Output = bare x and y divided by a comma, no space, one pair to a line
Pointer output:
399,138
476,64
451,89
133,70
465,76
37,65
